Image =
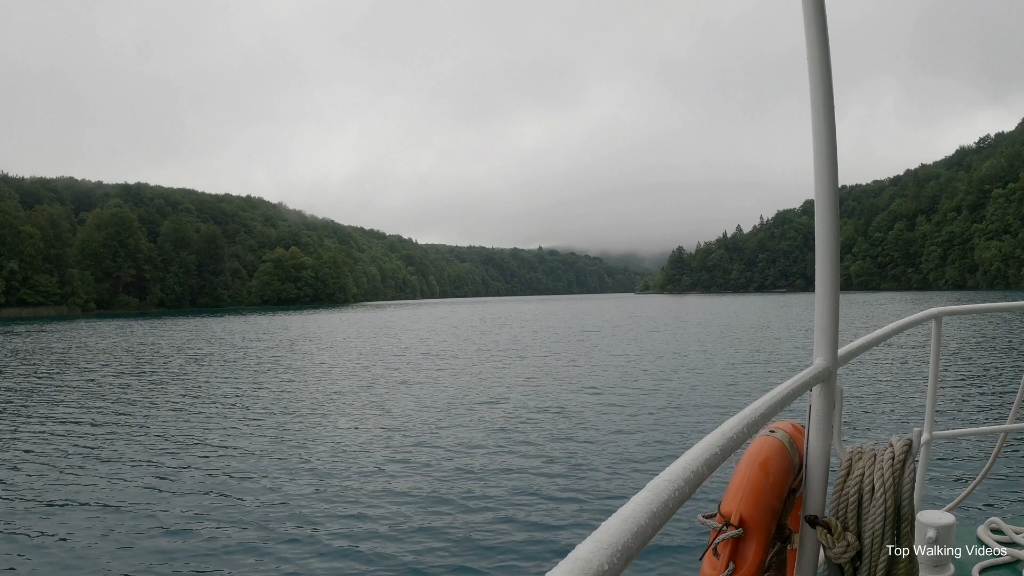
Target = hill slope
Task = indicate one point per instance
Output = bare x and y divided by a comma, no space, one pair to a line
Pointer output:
954,224
90,245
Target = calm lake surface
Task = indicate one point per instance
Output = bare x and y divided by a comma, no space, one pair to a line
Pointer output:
481,436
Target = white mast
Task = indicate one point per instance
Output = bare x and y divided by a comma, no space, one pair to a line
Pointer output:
826,278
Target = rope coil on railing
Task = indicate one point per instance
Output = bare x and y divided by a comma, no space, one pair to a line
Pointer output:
839,544
872,506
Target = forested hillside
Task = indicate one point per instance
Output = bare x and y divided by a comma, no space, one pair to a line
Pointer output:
90,245
954,224
647,262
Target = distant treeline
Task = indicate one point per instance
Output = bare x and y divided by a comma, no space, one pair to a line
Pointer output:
954,224
645,262
89,245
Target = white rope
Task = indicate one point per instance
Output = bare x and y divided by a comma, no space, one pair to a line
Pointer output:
1011,534
872,506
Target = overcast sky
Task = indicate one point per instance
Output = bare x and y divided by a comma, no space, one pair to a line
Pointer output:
625,125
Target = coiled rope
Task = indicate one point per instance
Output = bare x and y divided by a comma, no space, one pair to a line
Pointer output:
1011,535
872,507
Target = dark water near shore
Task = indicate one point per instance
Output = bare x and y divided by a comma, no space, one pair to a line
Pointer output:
483,436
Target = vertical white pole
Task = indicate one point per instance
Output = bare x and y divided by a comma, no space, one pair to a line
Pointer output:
826,278
929,413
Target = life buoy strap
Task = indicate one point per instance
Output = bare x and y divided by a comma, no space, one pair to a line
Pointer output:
794,541
794,452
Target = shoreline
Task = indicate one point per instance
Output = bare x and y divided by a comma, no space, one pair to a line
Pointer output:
71,312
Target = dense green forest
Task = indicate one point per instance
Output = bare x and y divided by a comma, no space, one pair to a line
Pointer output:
89,245
954,224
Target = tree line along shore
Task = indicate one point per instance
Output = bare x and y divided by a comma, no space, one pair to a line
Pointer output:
76,245
954,224
70,245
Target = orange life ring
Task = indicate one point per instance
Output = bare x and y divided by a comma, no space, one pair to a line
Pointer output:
769,472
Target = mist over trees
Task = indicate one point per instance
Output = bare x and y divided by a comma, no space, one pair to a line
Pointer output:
95,246
953,224
646,262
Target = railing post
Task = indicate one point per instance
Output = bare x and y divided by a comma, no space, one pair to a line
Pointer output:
818,450
929,412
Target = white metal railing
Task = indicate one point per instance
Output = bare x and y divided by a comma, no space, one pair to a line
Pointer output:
962,432
620,538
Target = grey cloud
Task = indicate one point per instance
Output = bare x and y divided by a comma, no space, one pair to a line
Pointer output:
611,125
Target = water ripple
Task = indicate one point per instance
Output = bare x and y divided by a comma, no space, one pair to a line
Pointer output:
481,436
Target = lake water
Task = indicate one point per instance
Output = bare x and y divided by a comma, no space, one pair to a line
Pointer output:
481,436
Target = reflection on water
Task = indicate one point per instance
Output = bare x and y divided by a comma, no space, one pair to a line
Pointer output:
482,436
